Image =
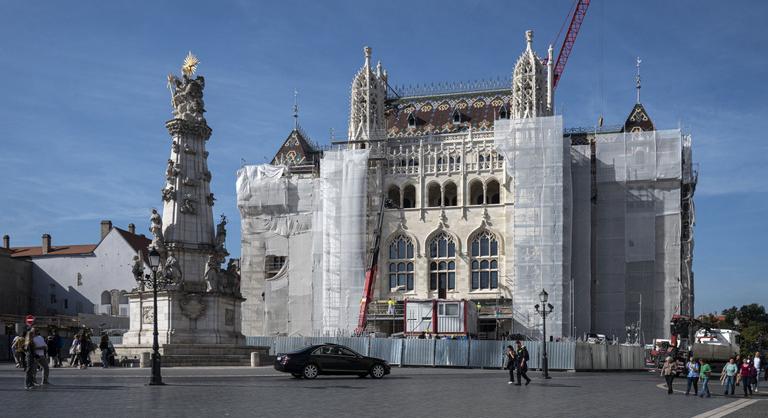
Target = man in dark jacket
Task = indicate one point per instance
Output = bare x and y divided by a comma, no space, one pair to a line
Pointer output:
522,364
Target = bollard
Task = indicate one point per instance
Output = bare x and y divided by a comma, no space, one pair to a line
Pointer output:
145,360
255,360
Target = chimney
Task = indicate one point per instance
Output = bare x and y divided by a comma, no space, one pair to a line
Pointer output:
6,241
132,228
106,226
46,243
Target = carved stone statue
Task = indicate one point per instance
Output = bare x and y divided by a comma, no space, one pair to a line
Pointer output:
169,170
188,205
138,268
171,269
187,98
175,147
188,149
210,199
207,175
190,182
211,274
221,233
169,193
156,227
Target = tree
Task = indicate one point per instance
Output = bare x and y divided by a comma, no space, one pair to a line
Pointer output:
753,326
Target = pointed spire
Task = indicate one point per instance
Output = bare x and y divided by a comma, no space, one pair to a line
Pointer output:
295,109
637,79
529,39
367,52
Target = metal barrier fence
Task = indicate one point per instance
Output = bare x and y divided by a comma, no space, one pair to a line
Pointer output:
470,353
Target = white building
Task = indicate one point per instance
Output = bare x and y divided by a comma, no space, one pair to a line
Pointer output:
89,278
487,199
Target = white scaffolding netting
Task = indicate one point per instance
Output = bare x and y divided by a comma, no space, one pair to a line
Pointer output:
343,222
637,237
538,161
304,242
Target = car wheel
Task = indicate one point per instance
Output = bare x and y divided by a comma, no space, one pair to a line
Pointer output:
297,375
310,371
377,371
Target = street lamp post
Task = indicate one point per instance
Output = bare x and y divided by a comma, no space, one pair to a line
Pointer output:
154,264
544,309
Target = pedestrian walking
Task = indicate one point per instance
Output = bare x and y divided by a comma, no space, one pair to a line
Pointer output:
104,347
53,351
85,351
36,351
693,376
668,372
729,376
522,364
18,344
705,371
74,352
757,362
509,363
745,371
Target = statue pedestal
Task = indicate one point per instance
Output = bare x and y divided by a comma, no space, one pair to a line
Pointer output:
185,317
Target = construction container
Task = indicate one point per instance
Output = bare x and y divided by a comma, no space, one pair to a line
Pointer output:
440,317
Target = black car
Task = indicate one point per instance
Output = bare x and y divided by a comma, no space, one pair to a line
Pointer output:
329,359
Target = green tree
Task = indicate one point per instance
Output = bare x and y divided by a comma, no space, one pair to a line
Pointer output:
753,326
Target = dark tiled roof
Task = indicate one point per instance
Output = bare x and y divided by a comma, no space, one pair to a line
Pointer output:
55,250
435,114
297,152
139,243
638,118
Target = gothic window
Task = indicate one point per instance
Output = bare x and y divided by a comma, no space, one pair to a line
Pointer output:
442,262
485,261
457,117
450,194
401,263
493,196
476,196
409,196
393,197
504,112
411,120
433,195
106,298
273,264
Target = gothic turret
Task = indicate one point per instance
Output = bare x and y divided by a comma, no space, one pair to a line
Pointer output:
369,91
532,84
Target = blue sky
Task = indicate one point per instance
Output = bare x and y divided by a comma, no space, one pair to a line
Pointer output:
83,99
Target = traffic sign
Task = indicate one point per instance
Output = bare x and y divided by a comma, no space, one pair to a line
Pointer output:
30,319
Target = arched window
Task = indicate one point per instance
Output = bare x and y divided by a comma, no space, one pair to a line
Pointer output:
433,195
442,263
492,194
457,117
450,194
401,263
409,196
476,196
411,120
485,261
106,298
393,195
504,112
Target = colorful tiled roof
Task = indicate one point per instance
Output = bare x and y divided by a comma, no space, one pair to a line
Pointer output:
446,113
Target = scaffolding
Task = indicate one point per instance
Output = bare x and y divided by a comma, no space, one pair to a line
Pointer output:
538,162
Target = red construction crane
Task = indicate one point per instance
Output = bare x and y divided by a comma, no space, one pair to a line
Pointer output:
579,12
370,273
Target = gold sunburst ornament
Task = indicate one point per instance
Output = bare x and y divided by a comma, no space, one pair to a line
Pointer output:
190,64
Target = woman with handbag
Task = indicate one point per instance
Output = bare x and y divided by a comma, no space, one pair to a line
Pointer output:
668,372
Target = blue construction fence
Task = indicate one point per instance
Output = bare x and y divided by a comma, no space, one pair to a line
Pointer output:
469,353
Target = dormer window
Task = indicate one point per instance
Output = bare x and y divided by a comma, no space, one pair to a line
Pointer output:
457,117
504,112
411,120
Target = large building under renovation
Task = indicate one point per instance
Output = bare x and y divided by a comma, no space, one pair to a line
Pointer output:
476,192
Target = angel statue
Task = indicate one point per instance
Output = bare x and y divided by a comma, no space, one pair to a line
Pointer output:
172,271
156,226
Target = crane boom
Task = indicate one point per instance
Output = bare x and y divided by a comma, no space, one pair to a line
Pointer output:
370,274
570,39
